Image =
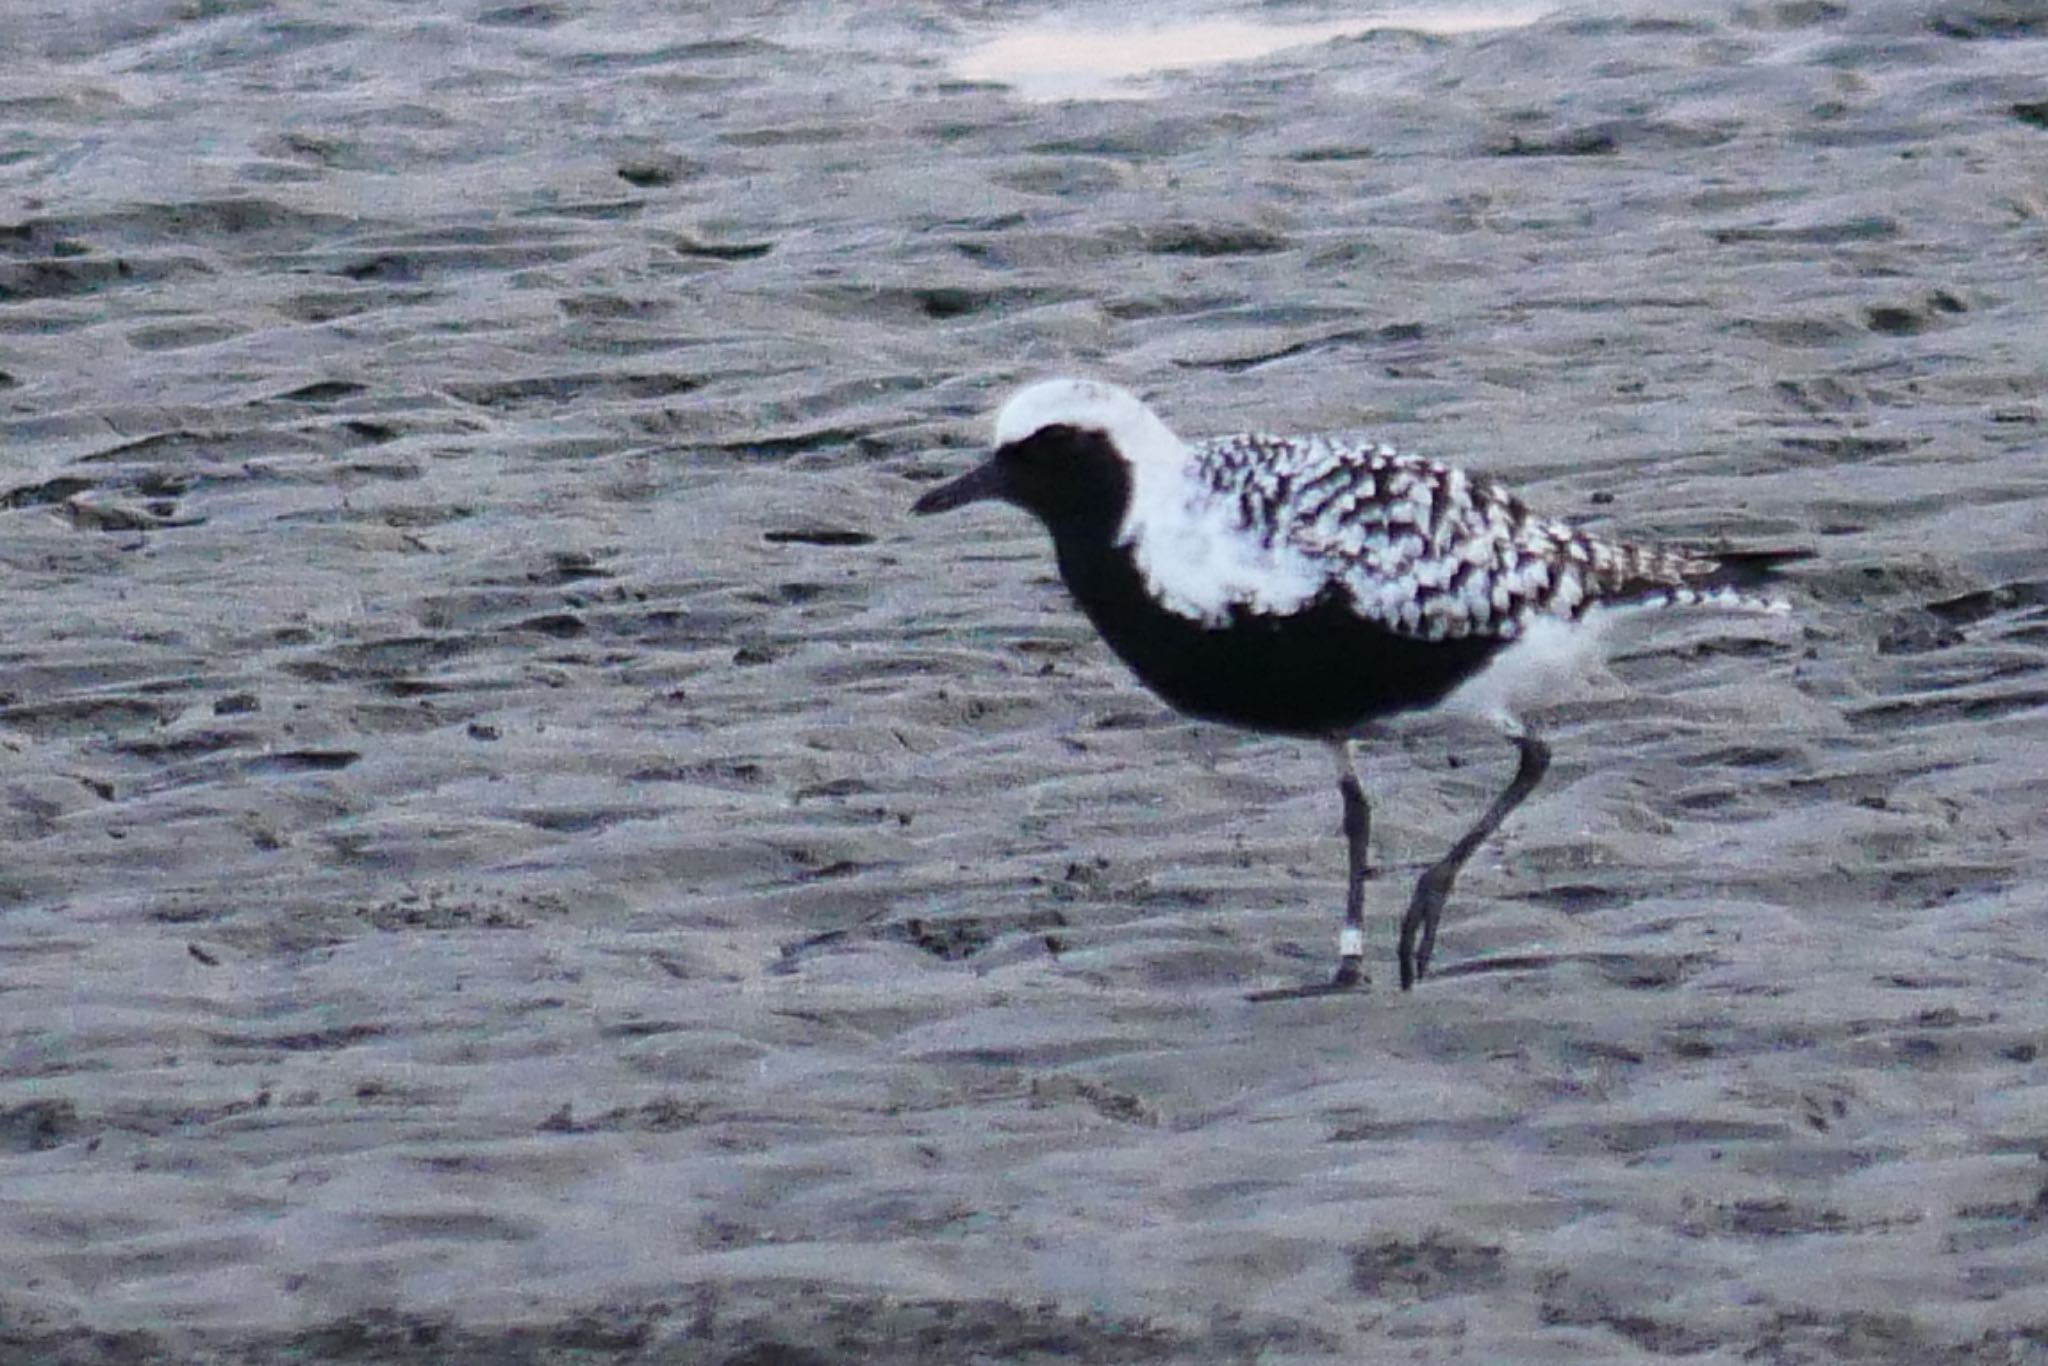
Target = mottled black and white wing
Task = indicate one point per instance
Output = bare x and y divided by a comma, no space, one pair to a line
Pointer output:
1425,549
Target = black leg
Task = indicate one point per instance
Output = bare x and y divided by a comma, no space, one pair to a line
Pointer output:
1435,885
1357,827
1351,940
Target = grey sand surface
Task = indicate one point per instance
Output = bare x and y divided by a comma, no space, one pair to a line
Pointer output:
517,848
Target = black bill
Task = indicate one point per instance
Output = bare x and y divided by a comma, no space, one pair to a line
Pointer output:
983,481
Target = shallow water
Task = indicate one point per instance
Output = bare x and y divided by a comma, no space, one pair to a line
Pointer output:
1080,60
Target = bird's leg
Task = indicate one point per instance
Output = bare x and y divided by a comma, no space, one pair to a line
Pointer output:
1435,884
1357,826
1351,939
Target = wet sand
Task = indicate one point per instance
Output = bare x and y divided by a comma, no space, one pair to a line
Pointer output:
517,847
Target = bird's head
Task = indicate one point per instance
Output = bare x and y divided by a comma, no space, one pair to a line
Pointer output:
1066,451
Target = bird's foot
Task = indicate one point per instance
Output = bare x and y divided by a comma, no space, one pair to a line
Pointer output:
1349,977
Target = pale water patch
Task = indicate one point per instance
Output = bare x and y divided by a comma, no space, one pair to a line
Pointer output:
1075,61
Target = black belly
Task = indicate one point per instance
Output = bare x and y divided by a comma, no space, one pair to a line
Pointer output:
1319,671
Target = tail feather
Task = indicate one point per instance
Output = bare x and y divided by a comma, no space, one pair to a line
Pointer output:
1741,569
1737,580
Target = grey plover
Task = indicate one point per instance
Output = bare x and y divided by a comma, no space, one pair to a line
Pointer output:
1310,586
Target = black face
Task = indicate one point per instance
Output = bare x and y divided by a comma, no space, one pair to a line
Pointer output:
1069,477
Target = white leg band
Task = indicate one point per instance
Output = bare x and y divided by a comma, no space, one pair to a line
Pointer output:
1351,942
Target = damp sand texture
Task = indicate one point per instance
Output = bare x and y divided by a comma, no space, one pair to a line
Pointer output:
517,847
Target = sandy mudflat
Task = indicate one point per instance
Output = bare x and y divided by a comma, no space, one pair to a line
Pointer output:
517,848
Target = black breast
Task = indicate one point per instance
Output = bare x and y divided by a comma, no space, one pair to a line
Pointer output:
1319,671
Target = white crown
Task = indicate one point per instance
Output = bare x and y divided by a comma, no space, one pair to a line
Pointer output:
1090,405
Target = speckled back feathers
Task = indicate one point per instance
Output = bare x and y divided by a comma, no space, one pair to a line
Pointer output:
1424,548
